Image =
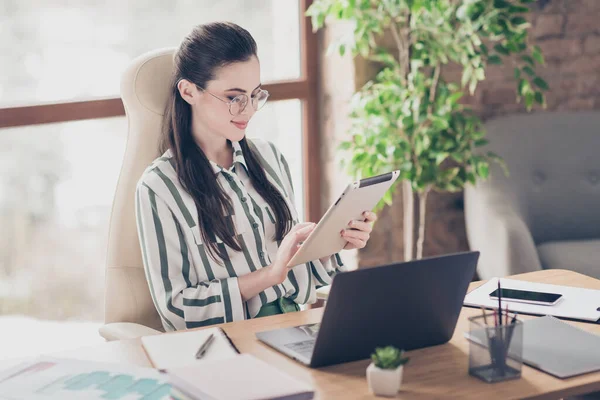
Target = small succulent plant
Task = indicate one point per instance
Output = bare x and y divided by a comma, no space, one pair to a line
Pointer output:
388,357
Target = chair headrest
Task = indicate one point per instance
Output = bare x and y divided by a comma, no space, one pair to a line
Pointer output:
146,83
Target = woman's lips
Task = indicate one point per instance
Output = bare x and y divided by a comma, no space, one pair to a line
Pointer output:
240,125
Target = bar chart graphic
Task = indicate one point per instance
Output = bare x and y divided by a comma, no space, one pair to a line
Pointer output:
49,379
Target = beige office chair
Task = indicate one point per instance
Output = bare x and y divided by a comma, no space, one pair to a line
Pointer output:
129,310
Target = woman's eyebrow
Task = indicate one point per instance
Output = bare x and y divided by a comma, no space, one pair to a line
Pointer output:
242,90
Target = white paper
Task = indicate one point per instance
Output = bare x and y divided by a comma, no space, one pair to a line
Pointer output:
49,378
244,377
577,303
179,349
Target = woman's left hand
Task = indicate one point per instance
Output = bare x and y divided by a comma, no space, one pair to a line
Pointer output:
359,231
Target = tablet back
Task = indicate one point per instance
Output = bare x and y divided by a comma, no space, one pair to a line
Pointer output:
358,197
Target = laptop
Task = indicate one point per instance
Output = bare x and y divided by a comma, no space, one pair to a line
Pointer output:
409,305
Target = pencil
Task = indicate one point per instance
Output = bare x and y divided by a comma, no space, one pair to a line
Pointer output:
499,302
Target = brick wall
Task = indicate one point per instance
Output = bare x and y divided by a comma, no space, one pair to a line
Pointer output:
568,31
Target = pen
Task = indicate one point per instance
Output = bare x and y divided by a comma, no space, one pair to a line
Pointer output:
202,350
514,318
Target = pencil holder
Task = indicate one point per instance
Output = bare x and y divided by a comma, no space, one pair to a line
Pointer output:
495,350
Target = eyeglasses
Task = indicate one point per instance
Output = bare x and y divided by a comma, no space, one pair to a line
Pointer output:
238,104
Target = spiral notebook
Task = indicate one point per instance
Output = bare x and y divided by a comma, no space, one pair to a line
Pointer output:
179,349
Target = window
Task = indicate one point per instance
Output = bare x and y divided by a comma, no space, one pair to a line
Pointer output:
59,176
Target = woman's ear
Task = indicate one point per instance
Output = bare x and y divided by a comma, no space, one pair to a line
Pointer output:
188,91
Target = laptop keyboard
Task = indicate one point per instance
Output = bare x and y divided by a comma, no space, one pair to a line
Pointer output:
305,347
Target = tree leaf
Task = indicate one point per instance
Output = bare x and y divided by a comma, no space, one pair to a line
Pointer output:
494,59
501,4
524,87
514,9
440,157
342,49
539,82
484,50
529,98
453,98
518,21
529,70
537,54
517,73
501,49
539,98
528,60
345,145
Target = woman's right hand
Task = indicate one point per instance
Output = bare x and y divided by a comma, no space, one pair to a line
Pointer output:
289,246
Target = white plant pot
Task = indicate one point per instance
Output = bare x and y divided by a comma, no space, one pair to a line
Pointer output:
384,382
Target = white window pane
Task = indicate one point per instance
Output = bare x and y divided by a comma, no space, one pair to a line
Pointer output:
281,123
56,191
54,50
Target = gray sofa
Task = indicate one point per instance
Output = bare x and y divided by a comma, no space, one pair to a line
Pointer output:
546,213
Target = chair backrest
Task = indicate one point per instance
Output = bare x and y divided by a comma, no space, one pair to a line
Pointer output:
144,90
554,171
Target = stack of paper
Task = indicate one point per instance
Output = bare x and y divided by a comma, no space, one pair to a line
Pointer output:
244,377
577,303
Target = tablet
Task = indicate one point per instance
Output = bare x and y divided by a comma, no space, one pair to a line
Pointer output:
359,196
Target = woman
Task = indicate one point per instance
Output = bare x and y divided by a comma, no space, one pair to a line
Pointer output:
216,217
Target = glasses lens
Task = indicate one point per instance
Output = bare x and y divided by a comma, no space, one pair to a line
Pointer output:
238,104
260,99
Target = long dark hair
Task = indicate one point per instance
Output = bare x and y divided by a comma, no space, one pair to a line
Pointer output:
205,49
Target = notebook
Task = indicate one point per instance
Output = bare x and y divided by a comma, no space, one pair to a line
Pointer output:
577,303
179,349
556,347
243,377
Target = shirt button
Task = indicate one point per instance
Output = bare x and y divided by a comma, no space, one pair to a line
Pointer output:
229,178
255,225
244,199
261,254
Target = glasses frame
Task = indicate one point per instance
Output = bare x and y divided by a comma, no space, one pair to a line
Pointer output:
242,98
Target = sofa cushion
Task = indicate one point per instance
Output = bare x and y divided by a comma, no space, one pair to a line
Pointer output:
582,256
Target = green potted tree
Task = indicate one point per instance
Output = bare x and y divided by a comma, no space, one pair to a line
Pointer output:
384,374
409,117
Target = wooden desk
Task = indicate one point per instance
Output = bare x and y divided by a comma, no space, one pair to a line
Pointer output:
434,372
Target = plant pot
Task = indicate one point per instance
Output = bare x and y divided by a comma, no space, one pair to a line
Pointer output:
384,382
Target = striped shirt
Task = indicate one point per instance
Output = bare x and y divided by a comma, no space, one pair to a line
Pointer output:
188,287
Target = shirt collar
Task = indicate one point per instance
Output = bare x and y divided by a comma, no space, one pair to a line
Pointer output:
238,158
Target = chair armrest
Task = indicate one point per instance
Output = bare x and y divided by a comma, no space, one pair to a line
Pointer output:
323,293
496,227
125,330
